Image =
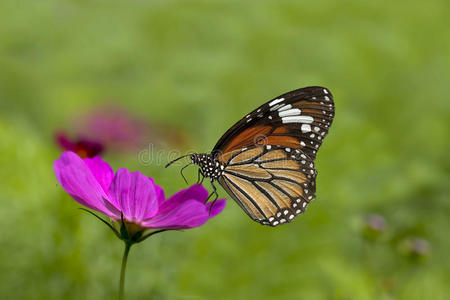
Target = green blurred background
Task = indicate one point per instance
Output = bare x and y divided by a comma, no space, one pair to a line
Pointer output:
201,66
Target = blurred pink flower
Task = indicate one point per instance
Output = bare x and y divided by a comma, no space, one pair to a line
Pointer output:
132,196
374,226
416,248
82,147
376,222
113,127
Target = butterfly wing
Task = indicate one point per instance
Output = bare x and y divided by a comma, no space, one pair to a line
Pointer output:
298,119
269,154
272,184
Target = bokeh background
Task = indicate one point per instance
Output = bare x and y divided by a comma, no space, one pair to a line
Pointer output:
379,226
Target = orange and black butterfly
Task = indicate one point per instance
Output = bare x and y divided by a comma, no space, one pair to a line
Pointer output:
266,160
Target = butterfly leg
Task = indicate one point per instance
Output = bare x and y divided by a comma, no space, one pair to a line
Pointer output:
181,172
200,174
202,178
214,192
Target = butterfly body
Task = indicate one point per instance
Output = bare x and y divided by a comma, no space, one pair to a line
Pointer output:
265,161
209,166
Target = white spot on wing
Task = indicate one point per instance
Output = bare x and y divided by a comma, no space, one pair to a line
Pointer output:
290,112
276,101
298,119
285,107
306,128
276,107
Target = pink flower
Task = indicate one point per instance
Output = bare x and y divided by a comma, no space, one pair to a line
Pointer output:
132,198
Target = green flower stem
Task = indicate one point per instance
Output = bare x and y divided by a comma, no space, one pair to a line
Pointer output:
122,270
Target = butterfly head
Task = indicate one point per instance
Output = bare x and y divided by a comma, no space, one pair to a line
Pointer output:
210,166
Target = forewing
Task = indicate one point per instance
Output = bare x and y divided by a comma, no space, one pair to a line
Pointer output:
298,119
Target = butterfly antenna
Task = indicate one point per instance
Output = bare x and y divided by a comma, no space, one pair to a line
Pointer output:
176,159
181,172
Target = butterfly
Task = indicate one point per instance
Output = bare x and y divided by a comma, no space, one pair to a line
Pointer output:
265,162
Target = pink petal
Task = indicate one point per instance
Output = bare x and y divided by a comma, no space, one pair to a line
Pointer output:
135,194
217,207
159,196
195,192
189,214
101,170
77,179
